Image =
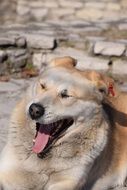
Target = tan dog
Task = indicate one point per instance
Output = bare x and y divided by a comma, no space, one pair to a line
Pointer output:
115,104
59,136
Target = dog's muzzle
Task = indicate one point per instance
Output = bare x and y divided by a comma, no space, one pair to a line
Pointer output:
36,111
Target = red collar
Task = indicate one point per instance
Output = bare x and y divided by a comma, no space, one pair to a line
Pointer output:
111,89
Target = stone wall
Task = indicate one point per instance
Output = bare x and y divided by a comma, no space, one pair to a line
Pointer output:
100,46
42,10
92,31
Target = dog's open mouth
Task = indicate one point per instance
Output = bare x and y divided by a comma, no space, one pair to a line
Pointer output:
46,134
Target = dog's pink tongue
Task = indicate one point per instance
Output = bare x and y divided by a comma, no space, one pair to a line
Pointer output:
40,142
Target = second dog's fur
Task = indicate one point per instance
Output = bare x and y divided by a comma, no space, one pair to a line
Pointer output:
116,107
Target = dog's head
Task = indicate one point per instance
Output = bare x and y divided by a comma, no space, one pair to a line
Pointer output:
61,98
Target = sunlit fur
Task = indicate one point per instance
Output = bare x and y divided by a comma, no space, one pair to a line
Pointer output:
81,156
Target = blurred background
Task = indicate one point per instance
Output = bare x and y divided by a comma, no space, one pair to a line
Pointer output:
32,32
24,11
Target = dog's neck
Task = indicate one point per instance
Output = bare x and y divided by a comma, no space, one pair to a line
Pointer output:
117,111
91,111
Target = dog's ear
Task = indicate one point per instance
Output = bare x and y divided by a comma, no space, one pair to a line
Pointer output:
104,83
100,83
67,61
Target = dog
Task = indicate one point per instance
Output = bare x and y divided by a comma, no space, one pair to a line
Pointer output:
115,106
60,137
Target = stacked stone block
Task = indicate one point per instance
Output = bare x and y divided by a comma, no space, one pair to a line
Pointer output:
43,10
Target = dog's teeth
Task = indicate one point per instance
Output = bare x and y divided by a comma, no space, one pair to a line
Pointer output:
33,140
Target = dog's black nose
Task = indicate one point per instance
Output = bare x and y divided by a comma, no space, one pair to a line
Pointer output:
36,111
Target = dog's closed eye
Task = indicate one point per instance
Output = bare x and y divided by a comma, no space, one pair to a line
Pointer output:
64,94
103,90
43,86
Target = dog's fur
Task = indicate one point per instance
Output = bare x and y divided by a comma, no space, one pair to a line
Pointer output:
85,157
116,108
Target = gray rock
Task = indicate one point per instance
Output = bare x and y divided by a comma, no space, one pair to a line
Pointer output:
95,38
110,15
8,87
66,3
17,63
119,67
22,8
79,23
20,53
3,68
39,13
47,4
123,87
88,29
61,12
122,26
21,42
123,41
16,53
50,4
37,60
23,83
3,56
90,14
40,41
109,48
113,6
36,4
4,41
95,5
103,25
17,58
93,63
